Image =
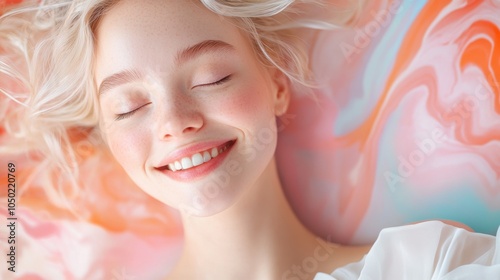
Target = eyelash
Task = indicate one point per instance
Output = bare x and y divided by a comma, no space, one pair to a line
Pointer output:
219,82
129,114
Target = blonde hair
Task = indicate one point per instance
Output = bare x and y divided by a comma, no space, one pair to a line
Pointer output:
50,49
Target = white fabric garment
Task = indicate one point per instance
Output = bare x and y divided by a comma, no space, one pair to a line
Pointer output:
429,250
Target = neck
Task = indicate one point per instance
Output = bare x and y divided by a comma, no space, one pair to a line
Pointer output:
259,237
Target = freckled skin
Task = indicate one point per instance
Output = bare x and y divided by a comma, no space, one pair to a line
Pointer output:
247,225
181,113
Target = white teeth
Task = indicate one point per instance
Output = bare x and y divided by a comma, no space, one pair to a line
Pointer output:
206,156
171,166
214,152
197,159
177,165
186,163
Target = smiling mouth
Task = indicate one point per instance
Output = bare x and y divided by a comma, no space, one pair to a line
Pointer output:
199,158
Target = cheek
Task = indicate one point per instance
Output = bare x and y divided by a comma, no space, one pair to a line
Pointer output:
249,105
129,148
251,111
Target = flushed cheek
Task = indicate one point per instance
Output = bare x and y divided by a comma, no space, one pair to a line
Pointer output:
246,106
250,110
130,148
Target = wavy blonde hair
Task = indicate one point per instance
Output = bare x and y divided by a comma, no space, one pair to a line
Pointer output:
48,54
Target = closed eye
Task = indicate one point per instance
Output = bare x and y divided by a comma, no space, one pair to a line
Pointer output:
129,114
219,82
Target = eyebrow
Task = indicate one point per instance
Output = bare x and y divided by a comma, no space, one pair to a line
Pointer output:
119,78
203,47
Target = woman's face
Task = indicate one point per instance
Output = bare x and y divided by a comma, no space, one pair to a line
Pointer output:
186,107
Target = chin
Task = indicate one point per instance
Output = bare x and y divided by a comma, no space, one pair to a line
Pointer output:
204,207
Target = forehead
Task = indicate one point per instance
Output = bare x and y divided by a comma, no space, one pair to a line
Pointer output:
149,33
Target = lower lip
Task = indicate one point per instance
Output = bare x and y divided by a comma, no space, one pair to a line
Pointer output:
199,171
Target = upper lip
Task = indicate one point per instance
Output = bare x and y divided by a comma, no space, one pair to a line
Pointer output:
189,150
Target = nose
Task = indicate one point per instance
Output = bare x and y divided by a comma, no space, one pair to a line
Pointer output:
179,116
